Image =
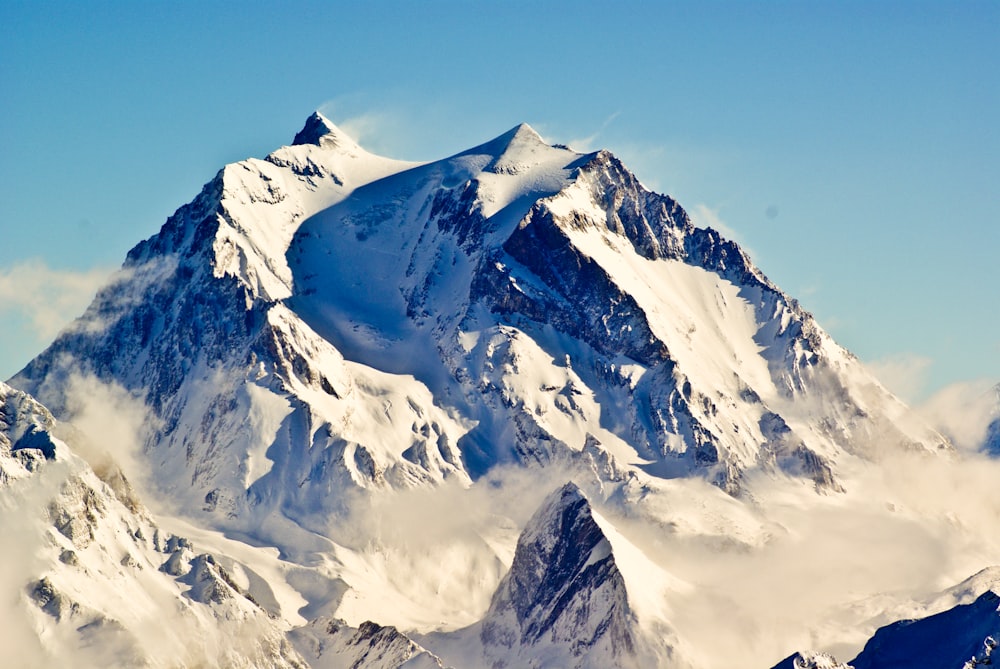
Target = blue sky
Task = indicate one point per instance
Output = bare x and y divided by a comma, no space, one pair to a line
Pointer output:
851,146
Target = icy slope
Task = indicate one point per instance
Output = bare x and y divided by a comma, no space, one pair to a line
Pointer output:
964,636
811,661
333,644
256,409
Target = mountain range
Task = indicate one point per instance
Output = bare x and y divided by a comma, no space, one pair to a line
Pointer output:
509,408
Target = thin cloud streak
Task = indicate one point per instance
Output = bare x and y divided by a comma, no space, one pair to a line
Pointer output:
587,143
905,374
47,298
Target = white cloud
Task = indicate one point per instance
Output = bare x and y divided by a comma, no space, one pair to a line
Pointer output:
105,422
905,374
366,129
963,412
707,217
587,143
47,298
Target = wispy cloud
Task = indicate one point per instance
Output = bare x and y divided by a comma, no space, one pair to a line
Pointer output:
47,298
963,412
369,129
105,424
374,126
588,143
905,374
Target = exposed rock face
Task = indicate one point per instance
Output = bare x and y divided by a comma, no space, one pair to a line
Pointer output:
563,597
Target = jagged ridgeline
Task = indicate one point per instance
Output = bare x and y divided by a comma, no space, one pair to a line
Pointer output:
325,337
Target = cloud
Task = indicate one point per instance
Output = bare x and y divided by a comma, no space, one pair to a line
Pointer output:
45,297
22,502
106,425
587,143
706,217
905,374
963,412
372,123
367,128
438,554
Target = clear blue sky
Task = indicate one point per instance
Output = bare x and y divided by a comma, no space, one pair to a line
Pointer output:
851,146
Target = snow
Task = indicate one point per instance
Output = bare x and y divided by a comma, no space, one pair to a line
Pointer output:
267,412
708,327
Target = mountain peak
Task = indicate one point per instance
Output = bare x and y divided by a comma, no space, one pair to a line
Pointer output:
320,131
562,585
523,133
518,150
520,138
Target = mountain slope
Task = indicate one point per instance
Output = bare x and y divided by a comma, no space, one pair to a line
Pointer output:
958,628
332,644
90,574
964,636
563,593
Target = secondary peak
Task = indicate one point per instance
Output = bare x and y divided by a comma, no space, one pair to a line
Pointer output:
320,131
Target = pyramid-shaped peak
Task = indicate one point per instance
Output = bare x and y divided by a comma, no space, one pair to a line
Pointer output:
320,131
524,134
568,504
563,584
568,494
518,150
521,138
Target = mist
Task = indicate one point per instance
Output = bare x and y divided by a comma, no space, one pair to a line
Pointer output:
780,569
827,567
963,412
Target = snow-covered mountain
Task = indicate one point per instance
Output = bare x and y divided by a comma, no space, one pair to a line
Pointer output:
463,411
573,597
333,644
325,321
